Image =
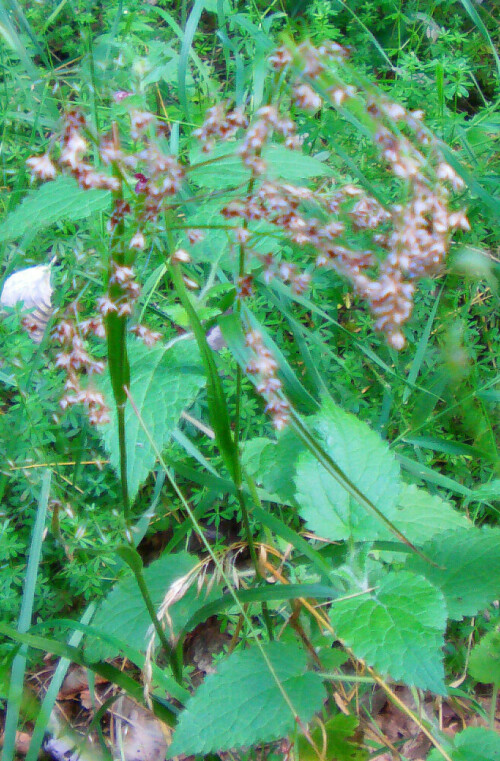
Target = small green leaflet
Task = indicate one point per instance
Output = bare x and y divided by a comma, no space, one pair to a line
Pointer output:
340,743
242,705
164,383
397,629
52,202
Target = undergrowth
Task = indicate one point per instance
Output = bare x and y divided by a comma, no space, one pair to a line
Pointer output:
267,390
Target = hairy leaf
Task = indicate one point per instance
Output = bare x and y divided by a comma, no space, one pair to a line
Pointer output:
467,570
61,199
484,663
398,629
164,382
230,170
277,464
473,744
123,613
325,505
241,704
338,736
421,516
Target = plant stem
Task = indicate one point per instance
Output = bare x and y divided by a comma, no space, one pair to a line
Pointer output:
116,335
177,672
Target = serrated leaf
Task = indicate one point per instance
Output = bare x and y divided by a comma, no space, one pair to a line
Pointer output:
277,464
241,704
123,613
467,570
366,460
484,662
473,744
397,629
420,516
164,382
337,734
230,170
61,199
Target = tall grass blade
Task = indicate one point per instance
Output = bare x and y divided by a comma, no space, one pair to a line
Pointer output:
421,349
187,41
476,18
19,662
43,718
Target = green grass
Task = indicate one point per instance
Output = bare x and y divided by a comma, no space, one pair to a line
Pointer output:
435,403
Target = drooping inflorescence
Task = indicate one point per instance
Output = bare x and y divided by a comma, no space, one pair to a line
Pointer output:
381,247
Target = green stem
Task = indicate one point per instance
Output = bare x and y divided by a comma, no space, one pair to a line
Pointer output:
118,363
493,711
176,668
122,442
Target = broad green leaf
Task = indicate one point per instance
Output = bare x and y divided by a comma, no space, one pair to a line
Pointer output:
487,492
242,705
366,460
230,170
420,516
278,463
473,744
340,743
52,202
484,663
397,629
123,613
467,569
164,382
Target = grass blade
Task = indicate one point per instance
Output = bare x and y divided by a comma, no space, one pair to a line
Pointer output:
187,41
19,662
476,18
421,349
42,720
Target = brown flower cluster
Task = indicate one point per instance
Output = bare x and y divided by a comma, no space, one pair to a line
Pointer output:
77,362
265,367
220,124
409,240
74,147
381,249
125,289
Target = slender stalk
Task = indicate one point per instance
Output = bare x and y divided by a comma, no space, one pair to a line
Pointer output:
122,442
176,666
239,473
116,336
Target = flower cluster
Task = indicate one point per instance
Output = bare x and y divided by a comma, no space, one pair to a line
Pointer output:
268,121
408,241
220,124
77,362
72,158
265,367
125,289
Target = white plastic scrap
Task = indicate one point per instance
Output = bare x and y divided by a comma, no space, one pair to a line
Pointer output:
32,288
